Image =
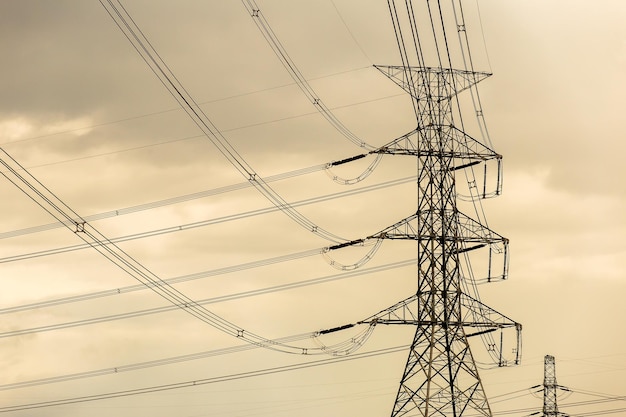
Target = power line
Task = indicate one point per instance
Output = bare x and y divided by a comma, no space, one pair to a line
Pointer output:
49,202
165,202
167,142
183,227
345,24
175,280
282,54
212,300
598,394
156,64
199,382
600,412
90,400
512,395
146,365
107,123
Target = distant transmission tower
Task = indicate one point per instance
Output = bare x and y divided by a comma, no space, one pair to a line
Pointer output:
441,376
550,387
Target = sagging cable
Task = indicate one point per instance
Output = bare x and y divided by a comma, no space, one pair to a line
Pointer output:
362,261
350,181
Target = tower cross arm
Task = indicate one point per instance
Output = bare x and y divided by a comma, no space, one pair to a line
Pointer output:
419,142
477,315
432,83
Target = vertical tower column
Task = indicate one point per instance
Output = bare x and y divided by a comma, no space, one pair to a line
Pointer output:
550,386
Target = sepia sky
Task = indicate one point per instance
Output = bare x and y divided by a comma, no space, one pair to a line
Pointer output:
84,114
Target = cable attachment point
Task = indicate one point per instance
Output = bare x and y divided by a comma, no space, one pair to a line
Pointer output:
344,161
336,329
358,242
343,245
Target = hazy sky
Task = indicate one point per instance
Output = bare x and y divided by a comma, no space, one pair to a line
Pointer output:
85,115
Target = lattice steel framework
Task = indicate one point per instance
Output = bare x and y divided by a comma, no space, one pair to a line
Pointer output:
550,387
441,377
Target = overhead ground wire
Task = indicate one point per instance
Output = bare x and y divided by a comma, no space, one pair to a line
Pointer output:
279,50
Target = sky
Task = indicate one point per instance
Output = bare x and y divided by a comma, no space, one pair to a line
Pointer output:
84,115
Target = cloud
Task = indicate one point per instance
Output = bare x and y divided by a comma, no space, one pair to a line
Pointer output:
559,234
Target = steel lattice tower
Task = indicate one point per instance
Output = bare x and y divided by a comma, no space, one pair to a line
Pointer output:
441,377
550,408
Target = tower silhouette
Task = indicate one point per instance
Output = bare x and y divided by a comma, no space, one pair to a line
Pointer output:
550,407
441,377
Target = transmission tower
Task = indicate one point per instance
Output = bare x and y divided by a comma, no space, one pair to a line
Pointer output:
441,376
550,387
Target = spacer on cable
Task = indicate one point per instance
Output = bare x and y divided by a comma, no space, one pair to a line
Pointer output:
80,227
